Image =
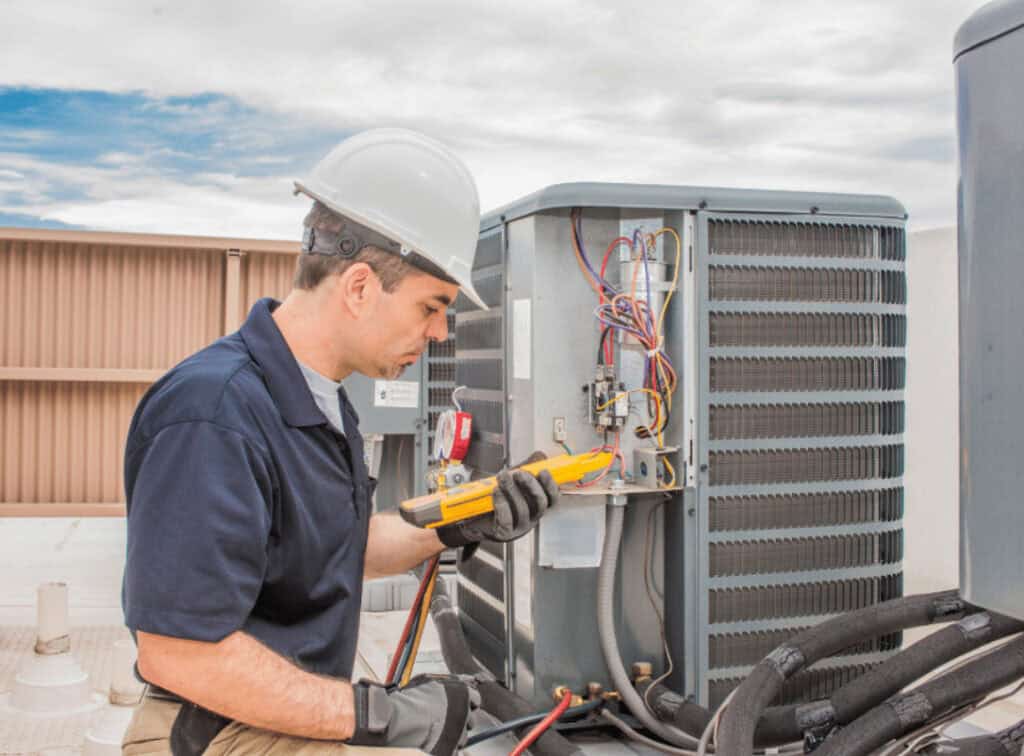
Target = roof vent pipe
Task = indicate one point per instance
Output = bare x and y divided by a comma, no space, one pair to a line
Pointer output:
50,683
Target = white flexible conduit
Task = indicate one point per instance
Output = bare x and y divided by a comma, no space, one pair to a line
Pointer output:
610,644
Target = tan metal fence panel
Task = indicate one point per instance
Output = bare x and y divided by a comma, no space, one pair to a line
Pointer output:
69,305
265,275
63,445
87,322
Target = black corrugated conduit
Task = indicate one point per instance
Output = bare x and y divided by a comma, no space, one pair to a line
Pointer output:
779,724
908,711
495,699
764,683
786,724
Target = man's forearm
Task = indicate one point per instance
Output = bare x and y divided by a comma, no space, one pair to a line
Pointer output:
394,546
242,679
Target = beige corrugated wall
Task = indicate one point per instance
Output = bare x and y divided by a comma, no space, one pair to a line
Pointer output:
87,322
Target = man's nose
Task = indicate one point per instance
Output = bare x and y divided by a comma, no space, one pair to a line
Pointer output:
438,330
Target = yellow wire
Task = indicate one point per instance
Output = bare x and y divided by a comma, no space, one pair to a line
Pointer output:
672,470
669,384
675,278
424,612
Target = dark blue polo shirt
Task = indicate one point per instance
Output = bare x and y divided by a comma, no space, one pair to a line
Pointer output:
246,510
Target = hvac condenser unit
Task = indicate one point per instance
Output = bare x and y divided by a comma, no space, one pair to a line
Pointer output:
745,353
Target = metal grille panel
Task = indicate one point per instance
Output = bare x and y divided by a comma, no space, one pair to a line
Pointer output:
441,371
804,510
803,687
483,333
488,417
808,374
807,329
752,442
748,421
475,332
787,239
747,649
803,554
805,465
801,599
765,284
486,374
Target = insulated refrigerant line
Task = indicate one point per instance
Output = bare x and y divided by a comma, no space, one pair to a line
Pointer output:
765,682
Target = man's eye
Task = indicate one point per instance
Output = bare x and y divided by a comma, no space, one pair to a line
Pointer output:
430,310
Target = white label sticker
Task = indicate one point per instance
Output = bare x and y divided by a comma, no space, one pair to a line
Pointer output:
521,339
396,394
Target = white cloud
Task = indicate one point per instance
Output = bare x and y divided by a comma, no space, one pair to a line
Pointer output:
136,197
786,95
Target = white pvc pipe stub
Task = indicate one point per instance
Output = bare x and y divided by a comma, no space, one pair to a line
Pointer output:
53,634
125,689
51,685
104,739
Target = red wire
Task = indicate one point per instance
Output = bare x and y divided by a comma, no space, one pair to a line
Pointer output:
544,724
414,611
611,247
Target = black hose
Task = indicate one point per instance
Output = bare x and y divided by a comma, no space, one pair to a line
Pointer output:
784,724
763,684
494,698
1005,743
521,722
908,711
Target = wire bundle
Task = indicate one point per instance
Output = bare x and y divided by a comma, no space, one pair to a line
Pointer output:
624,312
404,658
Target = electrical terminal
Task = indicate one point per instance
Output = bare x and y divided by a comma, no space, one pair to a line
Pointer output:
560,692
609,401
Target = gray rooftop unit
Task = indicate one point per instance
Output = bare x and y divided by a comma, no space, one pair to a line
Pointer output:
789,336
989,58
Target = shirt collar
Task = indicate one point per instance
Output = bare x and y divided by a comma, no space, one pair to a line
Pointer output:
280,370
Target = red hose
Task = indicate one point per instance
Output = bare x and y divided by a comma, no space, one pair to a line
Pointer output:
544,724
414,610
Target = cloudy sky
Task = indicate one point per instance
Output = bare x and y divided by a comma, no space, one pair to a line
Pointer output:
193,116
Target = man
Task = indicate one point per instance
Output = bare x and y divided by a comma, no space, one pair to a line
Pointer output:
249,503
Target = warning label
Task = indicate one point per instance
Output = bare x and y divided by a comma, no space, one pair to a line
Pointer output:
396,394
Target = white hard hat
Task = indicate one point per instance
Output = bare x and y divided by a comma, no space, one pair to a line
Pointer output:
409,188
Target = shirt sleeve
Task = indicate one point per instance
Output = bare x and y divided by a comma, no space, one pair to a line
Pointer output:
199,518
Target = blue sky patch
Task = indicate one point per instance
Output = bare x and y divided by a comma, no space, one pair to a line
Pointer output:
46,134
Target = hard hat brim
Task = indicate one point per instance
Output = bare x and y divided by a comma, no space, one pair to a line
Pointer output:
465,285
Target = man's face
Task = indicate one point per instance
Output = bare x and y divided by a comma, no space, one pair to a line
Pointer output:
404,321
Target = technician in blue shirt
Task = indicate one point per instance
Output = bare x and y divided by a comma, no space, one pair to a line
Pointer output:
250,527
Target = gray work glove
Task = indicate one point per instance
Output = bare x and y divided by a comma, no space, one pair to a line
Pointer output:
431,713
519,502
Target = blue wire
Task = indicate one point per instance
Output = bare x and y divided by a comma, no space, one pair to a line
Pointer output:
577,229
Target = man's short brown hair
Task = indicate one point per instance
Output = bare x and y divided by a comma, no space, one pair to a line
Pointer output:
312,270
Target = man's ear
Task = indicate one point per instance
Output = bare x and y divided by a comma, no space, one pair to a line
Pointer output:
359,288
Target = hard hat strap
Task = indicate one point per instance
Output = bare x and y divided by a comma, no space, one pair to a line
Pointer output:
353,237
346,243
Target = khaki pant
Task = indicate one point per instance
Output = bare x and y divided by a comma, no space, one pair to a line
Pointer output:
150,733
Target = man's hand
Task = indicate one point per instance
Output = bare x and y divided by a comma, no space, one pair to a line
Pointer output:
431,713
519,502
